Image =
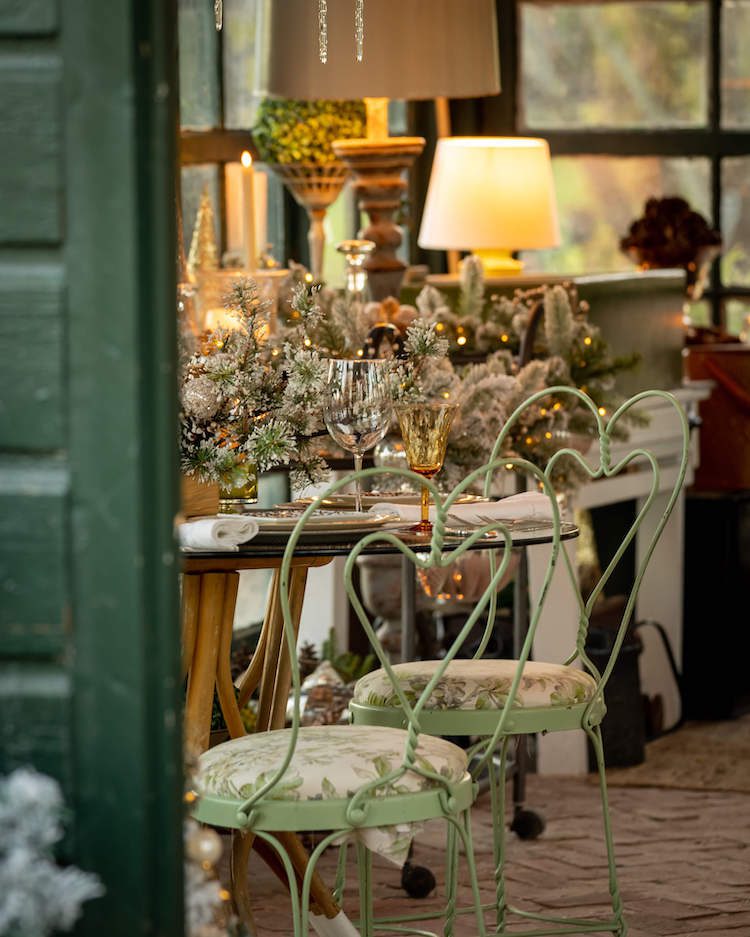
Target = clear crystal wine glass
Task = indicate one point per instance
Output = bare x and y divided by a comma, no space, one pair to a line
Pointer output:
357,409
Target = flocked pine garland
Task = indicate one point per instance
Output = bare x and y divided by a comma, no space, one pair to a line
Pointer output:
37,896
248,397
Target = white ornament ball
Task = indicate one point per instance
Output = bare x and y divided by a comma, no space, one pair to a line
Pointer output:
200,397
205,846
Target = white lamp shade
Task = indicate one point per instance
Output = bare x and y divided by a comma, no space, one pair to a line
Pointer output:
490,193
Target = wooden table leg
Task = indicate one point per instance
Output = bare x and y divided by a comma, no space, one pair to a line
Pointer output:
213,614
273,627
283,679
191,592
224,686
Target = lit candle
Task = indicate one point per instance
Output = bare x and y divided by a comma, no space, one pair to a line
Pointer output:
235,208
235,213
248,211
220,319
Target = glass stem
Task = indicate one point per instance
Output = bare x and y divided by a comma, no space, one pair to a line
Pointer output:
358,484
425,503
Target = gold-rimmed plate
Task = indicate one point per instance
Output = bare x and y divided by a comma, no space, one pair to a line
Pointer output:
346,502
283,519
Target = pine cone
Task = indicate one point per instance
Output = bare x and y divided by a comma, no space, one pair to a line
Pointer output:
308,659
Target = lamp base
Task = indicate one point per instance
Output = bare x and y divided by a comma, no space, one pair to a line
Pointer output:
499,262
378,170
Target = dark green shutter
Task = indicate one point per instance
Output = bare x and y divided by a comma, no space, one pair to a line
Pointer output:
89,640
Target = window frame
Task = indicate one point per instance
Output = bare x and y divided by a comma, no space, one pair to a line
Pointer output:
713,142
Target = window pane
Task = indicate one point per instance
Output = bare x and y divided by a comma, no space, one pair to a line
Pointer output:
700,313
199,80
245,48
194,180
735,221
735,65
737,317
276,219
599,196
614,64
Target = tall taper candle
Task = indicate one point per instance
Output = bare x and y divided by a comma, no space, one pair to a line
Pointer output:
260,190
248,211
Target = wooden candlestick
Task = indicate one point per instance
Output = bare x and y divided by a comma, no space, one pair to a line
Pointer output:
378,169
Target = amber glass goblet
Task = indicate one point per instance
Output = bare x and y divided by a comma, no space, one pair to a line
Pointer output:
425,428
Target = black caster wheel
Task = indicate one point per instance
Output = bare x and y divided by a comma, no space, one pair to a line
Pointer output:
416,880
527,824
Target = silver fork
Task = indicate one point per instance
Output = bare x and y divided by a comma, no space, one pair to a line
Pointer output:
519,523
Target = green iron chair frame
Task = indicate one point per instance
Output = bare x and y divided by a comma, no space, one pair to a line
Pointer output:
496,727
261,814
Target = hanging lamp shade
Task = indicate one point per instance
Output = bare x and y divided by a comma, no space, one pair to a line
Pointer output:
413,49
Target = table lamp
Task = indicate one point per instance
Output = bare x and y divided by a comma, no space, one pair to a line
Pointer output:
412,49
491,196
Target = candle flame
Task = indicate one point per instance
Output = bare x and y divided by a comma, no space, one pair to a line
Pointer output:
246,158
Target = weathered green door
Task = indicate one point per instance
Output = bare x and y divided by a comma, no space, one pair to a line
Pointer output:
89,642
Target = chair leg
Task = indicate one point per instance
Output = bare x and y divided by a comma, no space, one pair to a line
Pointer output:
464,830
242,843
279,862
619,928
451,879
364,869
497,806
340,883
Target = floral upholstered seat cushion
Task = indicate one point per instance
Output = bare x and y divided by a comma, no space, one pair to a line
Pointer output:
330,762
479,684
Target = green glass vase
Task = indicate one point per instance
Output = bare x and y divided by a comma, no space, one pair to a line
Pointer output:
240,493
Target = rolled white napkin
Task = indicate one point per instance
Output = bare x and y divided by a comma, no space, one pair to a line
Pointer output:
222,532
528,504
339,926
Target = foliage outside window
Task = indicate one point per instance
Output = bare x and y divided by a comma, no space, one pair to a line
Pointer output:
625,93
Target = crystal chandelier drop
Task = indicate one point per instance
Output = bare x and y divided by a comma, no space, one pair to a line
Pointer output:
359,29
323,30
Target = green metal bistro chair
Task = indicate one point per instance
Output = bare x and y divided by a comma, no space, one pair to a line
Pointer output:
496,700
368,784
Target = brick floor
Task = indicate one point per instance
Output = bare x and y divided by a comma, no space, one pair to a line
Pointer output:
684,860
